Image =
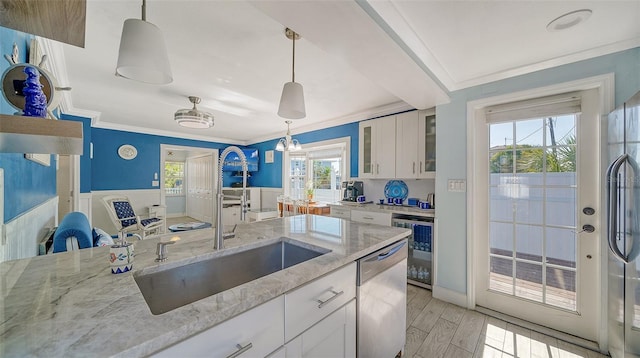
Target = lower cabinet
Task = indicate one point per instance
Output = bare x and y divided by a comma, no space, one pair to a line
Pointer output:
371,217
254,333
333,336
315,320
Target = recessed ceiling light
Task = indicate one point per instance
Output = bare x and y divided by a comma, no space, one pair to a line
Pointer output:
569,20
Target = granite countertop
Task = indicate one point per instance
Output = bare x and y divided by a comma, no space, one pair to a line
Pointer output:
69,304
400,209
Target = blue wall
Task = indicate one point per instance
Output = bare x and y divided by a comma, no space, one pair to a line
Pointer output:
26,183
110,172
451,147
270,175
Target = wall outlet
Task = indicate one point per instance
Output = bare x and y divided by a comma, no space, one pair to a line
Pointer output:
155,183
457,185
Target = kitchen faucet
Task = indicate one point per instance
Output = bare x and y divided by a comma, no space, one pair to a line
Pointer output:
220,235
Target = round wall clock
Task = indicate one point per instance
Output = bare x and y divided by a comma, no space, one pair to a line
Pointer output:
127,151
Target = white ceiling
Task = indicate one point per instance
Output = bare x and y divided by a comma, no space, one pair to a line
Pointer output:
356,59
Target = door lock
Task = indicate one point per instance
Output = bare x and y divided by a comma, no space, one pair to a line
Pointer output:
589,211
587,228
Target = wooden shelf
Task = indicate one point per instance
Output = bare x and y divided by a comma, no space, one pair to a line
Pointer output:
20,134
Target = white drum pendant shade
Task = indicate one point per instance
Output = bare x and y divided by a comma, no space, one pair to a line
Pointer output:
143,53
292,101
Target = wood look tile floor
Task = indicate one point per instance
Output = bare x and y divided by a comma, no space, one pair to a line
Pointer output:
439,329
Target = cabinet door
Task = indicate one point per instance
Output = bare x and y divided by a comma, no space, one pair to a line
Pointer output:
365,150
334,336
257,332
231,215
385,147
427,144
407,162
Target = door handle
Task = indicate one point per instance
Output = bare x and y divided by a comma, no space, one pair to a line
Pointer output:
335,295
612,203
587,228
240,350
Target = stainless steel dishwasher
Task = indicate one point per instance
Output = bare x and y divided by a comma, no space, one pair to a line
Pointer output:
382,302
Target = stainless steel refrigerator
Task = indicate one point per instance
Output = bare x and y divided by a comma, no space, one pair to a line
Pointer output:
623,234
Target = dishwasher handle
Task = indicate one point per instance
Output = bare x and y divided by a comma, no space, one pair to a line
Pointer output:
387,254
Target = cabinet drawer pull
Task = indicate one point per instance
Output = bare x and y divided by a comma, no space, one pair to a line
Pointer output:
420,167
335,295
240,350
414,167
377,168
367,217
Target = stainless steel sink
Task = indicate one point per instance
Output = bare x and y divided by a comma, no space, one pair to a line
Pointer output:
169,289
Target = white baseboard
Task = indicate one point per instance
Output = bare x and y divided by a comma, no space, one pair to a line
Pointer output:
447,295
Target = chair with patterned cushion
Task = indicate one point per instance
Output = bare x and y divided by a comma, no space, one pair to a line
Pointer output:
125,219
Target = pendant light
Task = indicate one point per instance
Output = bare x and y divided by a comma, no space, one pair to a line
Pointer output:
292,99
287,143
143,54
193,117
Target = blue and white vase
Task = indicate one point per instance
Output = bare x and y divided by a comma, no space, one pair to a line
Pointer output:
121,258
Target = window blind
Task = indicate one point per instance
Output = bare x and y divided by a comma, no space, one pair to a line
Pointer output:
551,106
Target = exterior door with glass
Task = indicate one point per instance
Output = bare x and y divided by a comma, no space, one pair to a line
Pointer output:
538,254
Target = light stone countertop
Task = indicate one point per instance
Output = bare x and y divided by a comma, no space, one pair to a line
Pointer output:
394,209
69,304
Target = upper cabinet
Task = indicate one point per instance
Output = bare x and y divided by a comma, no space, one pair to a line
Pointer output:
401,146
377,146
427,144
416,145
61,20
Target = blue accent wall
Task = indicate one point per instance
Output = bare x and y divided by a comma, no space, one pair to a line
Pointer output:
270,175
110,172
85,158
26,184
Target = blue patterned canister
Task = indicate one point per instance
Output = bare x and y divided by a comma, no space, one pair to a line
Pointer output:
121,258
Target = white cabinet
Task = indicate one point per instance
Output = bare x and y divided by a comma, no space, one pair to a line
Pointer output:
340,212
427,144
407,161
309,304
377,146
334,336
370,217
416,144
257,332
231,204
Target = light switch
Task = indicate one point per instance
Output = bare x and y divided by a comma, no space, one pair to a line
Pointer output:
155,183
457,185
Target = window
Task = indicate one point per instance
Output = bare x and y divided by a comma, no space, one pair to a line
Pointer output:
317,171
174,178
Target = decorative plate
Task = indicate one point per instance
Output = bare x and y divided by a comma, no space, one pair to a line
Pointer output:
396,189
127,152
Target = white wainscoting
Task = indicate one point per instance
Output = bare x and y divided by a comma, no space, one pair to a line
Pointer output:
23,233
140,200
269,198
84,201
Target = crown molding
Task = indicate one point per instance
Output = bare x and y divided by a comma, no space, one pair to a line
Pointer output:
163,133
375,112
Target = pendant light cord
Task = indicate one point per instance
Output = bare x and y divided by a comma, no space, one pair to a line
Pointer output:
293,65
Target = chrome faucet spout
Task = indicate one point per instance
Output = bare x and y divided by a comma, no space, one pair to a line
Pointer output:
220,235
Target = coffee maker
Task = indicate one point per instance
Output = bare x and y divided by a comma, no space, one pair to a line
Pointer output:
351,189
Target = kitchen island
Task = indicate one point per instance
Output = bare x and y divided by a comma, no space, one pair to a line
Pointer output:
69,304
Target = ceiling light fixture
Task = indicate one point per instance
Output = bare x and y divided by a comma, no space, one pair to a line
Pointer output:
193,117
569,20
143,54
287,143
292,99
